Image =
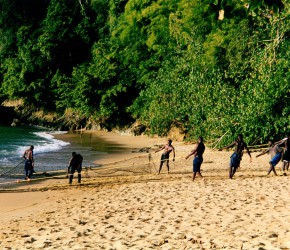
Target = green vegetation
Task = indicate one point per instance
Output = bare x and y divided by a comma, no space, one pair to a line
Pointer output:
210,67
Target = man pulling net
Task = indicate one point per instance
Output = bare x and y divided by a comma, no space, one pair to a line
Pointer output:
75,164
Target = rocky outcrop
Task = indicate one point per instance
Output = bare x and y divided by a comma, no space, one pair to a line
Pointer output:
7,115
16,113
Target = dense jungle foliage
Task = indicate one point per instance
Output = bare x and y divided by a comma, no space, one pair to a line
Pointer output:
210,67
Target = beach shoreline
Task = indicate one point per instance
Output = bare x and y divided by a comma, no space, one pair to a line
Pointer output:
127,205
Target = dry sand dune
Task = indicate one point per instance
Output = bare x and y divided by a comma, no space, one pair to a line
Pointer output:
138,209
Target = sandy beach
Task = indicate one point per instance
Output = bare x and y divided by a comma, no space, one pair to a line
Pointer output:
125,204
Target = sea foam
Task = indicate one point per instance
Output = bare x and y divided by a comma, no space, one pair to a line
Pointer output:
49,144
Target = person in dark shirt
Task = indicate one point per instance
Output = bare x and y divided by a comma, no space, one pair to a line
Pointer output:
75,164
236,157
276,154
198,159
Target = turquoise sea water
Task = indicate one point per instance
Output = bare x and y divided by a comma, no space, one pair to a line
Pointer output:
15,140
50,153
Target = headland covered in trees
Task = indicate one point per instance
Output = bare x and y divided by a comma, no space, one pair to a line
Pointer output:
206,67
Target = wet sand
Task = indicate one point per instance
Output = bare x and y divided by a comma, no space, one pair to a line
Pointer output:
127,205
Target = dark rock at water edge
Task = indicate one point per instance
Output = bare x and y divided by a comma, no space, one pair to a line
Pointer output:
7,115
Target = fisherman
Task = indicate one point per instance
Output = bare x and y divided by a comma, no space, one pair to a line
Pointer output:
276,153
75,164
28,163
236,157
168,148
286,153
198,159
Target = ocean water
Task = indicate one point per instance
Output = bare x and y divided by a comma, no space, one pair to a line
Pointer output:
51,151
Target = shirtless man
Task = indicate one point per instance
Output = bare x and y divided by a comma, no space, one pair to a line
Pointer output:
197,161
168,148
276,153
236,157
286,153
28,162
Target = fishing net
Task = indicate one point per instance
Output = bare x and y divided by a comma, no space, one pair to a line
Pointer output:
138,164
